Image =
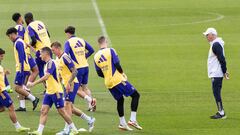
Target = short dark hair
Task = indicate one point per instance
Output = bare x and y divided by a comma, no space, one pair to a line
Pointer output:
70,29
2,51
101,39
11,30
56,44
48,50
16,16
28,15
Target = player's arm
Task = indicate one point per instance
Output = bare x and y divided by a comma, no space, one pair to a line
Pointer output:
67,47
67,61
116,61
89,49
42,79
218,51
21,54
98,70
50,69
32,36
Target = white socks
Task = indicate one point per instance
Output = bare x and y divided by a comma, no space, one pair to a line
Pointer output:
66,128
40,128
221,112
7,87
85,117
122,121
133,116
22,104
72,126
17,125
89,100
31,97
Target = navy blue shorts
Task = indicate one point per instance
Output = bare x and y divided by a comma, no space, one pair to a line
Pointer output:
57,99
71,95
40,63
124,88
31,61
21,77
82,75
5,100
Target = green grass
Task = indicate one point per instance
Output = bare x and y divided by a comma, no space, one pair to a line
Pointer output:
166,63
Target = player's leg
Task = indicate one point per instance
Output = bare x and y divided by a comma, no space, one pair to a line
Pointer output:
216,87
21,98
134,106
118,96
92,106
22,104
47,104
6,101
78,112
40,64
34,69
88,119
83,95
59,104
128,90
85,73
20,80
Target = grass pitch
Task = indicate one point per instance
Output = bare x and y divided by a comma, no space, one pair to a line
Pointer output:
163,52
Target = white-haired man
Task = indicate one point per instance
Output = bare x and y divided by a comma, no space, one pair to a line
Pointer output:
216,68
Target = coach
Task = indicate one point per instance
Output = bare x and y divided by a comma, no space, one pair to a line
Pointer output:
216,69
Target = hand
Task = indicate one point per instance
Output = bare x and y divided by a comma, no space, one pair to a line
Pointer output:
226,76
125,76
28,45
7,72
30,84
68,88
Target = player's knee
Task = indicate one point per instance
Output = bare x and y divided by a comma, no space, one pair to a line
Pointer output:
11,108
135,95
138,95
2,109
84,87
43,111
68,103
120,100
17,87
61,111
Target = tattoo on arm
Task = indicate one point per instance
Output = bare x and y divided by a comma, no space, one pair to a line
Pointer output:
74,74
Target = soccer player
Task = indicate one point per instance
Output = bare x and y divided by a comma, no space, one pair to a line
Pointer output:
24,35
217,69
108,66
22,66
6,101
79,51
70,83
53,95
17,18
40,38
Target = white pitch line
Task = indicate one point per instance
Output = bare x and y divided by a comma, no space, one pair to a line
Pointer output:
219,17
101,22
